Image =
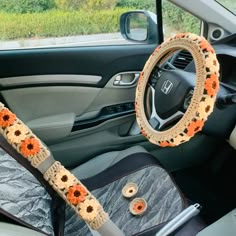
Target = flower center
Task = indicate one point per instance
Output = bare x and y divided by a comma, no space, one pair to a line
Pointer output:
17,133
30,146
214,85
6,117
77,193
130,190
140,207
207,109
64,178
89,209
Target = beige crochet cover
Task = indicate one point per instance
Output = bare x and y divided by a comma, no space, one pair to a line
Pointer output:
65,183
202,102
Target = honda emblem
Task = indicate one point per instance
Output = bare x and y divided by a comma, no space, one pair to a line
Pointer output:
166,87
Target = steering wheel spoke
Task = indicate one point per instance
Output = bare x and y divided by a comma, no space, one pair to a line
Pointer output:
155,120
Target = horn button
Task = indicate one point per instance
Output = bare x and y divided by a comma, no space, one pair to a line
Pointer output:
171,90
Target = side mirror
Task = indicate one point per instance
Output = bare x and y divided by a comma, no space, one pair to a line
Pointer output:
139,26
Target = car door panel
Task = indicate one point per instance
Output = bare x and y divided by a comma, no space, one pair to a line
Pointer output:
53,89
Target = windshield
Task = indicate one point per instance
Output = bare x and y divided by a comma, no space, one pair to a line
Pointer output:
229,5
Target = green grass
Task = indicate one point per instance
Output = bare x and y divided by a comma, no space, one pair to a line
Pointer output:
56,23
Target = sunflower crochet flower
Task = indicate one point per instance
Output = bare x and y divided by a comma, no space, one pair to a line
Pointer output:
205,108
206,46
212,63
129,190
138,206
89,209
64,179
181,139
195,127
180,35
30,147
212,85
16,133
76,194
7,118
166,144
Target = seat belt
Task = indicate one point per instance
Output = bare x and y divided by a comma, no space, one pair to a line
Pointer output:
86,206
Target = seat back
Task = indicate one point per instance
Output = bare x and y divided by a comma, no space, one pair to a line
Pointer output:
23,197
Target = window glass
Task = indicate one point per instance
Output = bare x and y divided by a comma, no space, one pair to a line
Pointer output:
176,20
47,23
229,5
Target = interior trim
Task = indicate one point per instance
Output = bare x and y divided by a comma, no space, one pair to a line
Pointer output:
50,79
107,113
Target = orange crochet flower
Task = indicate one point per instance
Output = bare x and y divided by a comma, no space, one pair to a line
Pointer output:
7,118
166,144
206,46
139,207
143,133
195,127
30,147
181,35
212,85
76,194
156,50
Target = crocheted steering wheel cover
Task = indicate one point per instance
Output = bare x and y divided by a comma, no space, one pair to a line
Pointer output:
202,102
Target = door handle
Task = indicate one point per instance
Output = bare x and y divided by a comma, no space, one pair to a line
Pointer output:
126,79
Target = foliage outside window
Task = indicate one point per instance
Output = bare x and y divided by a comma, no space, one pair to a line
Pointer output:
229,4
33,23
177,20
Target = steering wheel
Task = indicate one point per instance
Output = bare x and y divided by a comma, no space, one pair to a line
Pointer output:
172,93
170,89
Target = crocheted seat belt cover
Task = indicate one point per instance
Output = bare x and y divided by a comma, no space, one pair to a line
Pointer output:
65,184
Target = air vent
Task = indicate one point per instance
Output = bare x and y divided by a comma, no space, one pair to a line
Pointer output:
182,59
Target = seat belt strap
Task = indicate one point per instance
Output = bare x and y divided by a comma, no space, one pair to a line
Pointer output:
22,139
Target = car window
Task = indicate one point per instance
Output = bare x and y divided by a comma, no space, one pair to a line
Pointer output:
229,5
47,23
176,20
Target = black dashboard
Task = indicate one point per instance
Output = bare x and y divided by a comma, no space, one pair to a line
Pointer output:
227,69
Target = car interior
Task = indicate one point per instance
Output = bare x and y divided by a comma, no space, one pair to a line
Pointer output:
129,139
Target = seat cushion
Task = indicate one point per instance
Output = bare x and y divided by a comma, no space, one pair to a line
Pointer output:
24,198
155,185
104,161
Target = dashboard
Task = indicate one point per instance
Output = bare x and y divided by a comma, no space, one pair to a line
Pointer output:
227,69
226,55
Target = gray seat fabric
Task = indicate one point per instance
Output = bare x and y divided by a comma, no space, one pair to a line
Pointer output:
155,186
22,196
32,204
100,163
